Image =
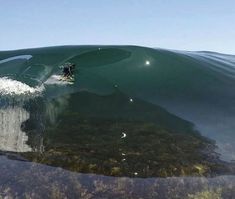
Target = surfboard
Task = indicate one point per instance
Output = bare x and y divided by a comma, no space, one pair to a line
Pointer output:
69,80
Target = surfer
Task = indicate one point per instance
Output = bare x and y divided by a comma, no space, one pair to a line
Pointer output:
68,70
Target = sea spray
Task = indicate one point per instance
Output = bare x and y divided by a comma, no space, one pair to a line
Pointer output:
16,88
14,97
12,138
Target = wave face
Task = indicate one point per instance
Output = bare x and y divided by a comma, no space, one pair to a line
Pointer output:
194,86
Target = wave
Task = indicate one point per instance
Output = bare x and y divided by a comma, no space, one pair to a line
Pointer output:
9,87
195,86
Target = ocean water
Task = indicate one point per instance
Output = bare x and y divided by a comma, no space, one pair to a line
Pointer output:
156,121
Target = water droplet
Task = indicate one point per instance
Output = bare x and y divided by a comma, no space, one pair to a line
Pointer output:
147,62
131,100
123,135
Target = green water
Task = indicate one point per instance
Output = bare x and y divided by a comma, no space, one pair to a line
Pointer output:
89,138
131,112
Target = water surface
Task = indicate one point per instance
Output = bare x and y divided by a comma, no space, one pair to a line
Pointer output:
152,120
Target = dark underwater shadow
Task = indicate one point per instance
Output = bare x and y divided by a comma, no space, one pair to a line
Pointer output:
119,136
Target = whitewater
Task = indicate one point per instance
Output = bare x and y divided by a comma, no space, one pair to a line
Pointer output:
10,87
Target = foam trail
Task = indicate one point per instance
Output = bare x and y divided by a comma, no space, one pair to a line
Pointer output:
9,87
56,80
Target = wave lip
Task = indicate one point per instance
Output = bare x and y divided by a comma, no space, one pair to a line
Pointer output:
27,57
10,87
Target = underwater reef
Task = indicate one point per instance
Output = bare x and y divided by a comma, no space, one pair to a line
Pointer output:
89,139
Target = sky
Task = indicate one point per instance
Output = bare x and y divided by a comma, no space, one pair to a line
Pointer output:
172,24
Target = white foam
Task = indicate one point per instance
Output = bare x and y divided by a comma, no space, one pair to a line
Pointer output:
16,88
12,138
57,79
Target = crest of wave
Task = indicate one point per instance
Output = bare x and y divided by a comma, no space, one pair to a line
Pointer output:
10,87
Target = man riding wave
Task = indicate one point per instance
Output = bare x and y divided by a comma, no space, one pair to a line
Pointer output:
68,70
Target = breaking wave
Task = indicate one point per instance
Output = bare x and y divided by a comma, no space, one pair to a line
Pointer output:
9,87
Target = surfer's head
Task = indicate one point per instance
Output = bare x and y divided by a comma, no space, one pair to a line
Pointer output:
68,69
